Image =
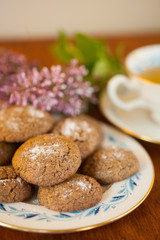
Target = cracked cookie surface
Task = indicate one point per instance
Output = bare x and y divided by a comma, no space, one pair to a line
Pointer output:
19,123
12,187
77,193
47,160
85,131
108,165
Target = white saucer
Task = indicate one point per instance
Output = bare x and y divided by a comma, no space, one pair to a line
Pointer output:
117,201
136,122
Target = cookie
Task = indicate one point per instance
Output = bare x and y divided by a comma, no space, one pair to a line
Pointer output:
111,165
6,152
19,123
47,160
77,193
85,131
12,187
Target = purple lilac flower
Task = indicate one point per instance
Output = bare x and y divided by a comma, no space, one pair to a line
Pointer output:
60,89
10,64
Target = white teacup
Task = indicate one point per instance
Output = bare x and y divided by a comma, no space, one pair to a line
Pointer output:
137,62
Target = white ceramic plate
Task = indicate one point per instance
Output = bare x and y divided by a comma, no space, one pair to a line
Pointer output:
120,199
137,123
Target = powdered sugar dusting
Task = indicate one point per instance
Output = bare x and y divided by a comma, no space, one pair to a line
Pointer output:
103,156
72,128
83,185
13,119
119,154
67,192
69,127
18,109
35,112
41,150
13,125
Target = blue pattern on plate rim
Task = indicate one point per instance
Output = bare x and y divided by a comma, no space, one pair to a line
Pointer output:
125,190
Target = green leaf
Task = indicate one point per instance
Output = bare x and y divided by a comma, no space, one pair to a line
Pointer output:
102,68
94,54
65,50
89,48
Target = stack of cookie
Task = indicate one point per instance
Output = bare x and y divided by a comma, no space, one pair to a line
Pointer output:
65,160
17,124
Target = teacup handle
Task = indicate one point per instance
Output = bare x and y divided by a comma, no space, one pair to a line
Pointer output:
112,88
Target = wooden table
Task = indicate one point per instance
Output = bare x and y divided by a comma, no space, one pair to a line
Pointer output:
141,224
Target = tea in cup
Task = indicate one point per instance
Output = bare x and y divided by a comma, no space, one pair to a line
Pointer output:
143,68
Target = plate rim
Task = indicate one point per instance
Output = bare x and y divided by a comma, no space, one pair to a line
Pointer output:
89,227
25,229
124,129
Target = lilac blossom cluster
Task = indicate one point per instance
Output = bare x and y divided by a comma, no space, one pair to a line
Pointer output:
60,89
11,63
